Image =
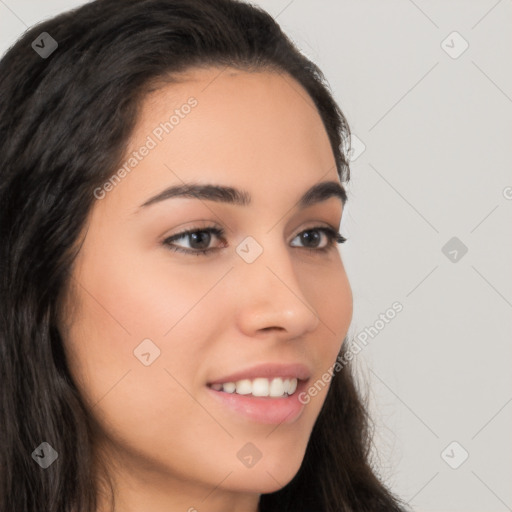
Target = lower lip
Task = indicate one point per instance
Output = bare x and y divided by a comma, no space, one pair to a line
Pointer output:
263,409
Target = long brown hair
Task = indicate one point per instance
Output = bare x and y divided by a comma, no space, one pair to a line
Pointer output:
66,113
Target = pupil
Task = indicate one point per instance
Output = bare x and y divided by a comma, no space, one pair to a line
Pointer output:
306,236
203,244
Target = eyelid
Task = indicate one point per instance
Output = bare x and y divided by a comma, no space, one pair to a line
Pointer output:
332,234
219,230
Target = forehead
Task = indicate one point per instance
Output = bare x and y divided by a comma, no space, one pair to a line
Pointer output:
258,131
246,110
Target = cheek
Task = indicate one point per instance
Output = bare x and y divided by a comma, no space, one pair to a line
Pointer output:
140,297
330,293
133,313
144,407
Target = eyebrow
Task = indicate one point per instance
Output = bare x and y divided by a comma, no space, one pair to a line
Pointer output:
317,193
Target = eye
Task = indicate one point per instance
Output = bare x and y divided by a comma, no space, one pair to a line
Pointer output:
200,239
311,238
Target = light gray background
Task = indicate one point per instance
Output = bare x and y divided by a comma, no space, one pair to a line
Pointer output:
437,132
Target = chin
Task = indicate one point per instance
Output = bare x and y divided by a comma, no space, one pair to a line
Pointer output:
265,478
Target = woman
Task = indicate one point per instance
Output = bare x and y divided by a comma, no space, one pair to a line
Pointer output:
174,307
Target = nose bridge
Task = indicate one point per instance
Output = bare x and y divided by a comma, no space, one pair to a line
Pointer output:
272,295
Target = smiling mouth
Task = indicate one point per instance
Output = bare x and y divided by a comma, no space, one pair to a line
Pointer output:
260,387
266,400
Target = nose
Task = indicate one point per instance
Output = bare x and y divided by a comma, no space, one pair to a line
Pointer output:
270,296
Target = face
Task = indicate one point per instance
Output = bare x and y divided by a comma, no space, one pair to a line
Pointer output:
156,328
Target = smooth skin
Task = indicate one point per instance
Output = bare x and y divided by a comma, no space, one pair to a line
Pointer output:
170,446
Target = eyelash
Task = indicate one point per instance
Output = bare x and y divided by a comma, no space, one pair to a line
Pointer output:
332,235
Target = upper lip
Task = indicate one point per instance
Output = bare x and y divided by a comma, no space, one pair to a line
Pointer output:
267,370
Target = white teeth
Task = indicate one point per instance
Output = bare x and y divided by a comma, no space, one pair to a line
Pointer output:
260,386
229,387
276,387
243,387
